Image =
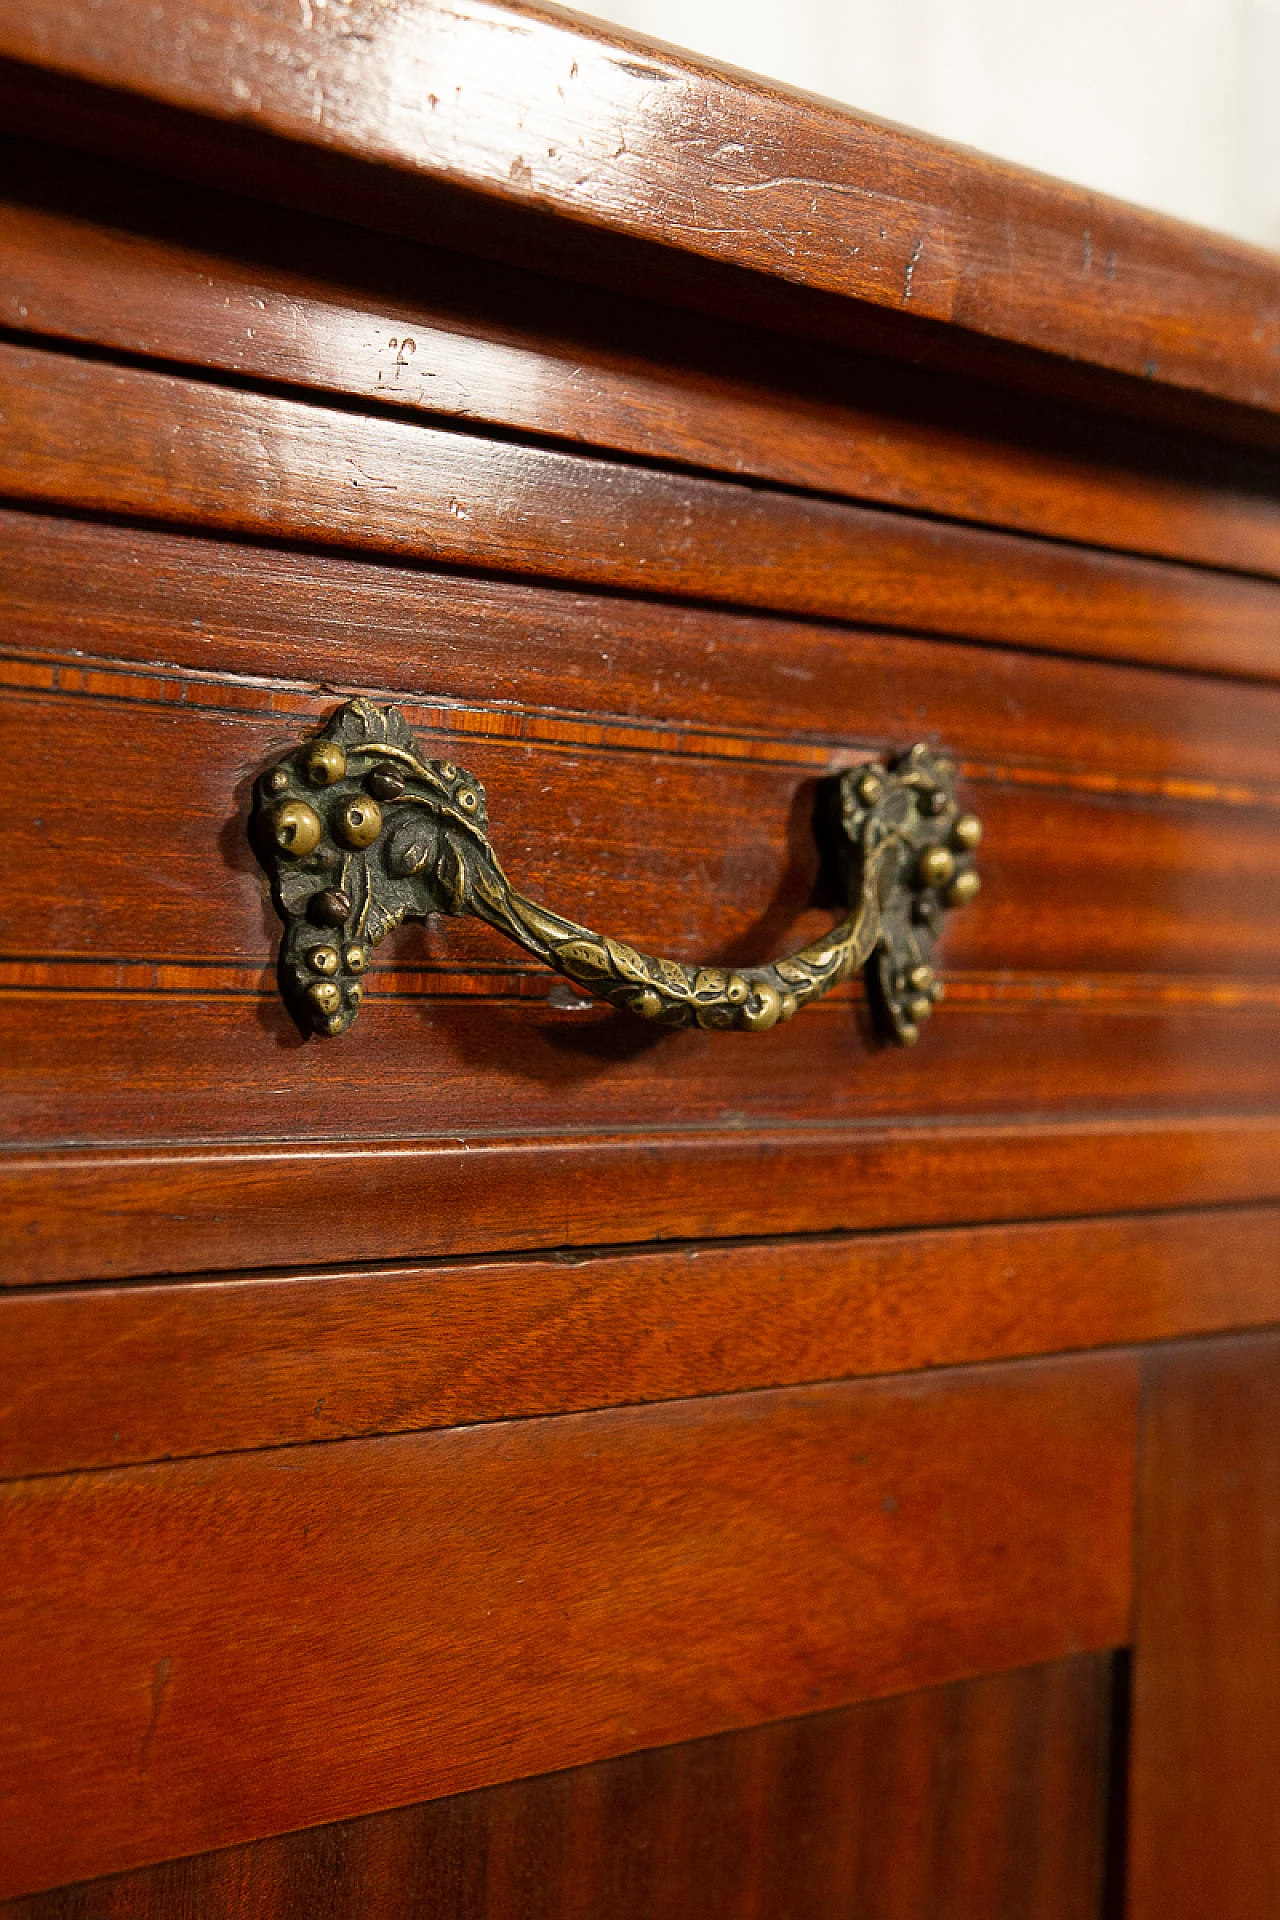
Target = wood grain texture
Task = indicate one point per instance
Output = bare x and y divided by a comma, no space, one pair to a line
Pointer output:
535,109
204,1653
445,1511
517,661
979,1801
133,1010
172,1065
127,441
113,1375
103,1214
126,260
1204,1840
701,855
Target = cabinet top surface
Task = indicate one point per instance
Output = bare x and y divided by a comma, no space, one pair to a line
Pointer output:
580,141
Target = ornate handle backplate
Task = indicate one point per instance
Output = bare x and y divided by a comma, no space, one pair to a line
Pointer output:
359,831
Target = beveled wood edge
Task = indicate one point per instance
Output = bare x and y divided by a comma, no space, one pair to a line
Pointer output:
113,1375
90,1213
508,369
964,242
97,438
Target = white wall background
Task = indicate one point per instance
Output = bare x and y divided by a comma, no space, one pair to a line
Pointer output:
1172,103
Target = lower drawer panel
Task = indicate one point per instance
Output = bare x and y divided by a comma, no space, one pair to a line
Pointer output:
193,1655
1001,1784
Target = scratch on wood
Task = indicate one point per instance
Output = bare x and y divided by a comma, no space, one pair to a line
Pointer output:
909,274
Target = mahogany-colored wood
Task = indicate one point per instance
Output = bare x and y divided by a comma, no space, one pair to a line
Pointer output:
170,1063
99,1213
115,439
703,477
198,1654
121,259
635,842
551,115
497,658
98,1377
984,1800
1204,1840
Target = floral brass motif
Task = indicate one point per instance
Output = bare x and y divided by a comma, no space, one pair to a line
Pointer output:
359,831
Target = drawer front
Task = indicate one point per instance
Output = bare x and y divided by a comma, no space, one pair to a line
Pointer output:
651,670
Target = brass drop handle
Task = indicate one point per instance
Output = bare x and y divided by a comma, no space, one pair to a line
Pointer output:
359,831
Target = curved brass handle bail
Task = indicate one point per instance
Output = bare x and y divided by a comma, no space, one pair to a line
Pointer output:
359,831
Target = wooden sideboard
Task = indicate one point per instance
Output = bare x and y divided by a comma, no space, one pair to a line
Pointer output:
513,1459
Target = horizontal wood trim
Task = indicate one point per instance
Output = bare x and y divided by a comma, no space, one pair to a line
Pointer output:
124,260
122,440
542,113
1002,1779
103,1214
502,983
202,1653
497,658
171,1068
115,1375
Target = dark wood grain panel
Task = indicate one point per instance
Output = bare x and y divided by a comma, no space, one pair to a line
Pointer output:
102,1214
1204,1843
984,1800
121,440
178,1674
129,261
518,658
112,1375
613,135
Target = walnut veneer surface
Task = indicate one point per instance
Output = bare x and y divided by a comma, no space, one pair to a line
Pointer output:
509,1459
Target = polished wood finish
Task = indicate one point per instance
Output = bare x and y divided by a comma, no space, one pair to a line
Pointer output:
985,1800
518,660
1177,885
96,1377
178,1050
154,446
133,1014
226,1648
506,1388
615,136
76,1214
125,260
507,660
1205,1844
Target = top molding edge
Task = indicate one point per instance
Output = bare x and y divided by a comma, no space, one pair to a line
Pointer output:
547,112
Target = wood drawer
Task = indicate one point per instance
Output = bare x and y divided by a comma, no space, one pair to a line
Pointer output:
651,751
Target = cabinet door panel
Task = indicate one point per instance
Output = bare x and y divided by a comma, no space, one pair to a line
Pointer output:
985,1800
201,1653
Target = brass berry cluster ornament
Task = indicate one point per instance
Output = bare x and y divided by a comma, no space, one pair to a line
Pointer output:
359,831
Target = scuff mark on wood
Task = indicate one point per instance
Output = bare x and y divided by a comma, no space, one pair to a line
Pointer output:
911,266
